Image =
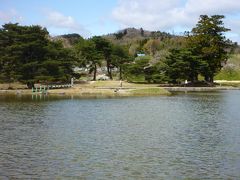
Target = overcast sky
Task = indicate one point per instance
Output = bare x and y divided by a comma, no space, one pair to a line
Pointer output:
97,17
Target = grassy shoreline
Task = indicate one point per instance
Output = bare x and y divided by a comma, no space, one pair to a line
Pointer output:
96,89
116,89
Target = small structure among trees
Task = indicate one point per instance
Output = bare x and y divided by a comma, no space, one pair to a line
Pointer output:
28,55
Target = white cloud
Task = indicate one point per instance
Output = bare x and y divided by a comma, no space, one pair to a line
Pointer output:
234,25
10,16
168,15
151,14
58,20
212,6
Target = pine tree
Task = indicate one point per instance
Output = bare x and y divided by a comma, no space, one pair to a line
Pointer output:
209,43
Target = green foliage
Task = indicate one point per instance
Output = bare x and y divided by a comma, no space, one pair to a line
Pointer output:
120,57
156,73
28,55
120,34
137,67
228,74
209,43
105,47
91,56
160,35
178,65
204,53
73,38
152,46
96,51
231,71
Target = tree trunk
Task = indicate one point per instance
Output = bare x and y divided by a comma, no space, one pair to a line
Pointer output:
211,79
95,72
194,78
109,71
30,85
206,78
120,72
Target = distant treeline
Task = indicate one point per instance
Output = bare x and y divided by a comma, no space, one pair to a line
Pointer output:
29,55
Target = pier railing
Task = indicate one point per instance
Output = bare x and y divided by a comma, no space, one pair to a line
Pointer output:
45,88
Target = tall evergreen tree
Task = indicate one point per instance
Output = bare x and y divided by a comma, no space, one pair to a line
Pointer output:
182,65
105,47
120,57
27,55
209,43
91,56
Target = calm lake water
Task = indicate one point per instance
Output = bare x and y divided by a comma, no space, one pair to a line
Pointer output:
186,136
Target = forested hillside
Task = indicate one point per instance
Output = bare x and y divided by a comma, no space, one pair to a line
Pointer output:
29,54
156,46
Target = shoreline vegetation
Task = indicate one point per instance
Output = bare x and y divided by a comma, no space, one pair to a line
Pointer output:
156,63
93,89
116,89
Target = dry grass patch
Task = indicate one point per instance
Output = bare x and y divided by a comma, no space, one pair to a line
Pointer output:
149,92
5,86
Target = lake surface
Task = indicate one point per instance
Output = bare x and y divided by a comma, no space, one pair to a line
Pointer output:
185,136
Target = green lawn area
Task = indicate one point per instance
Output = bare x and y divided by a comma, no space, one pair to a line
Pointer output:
231,71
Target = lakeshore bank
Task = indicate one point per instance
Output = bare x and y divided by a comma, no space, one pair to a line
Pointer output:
116,89
200,89
93,89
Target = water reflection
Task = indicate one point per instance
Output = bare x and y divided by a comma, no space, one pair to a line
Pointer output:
178,137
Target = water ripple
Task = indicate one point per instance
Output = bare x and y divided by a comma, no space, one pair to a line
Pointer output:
187,136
